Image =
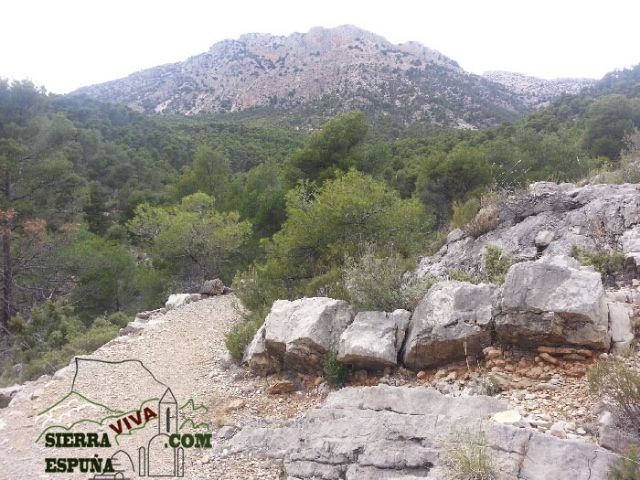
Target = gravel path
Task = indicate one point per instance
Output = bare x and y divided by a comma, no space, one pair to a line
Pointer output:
185,350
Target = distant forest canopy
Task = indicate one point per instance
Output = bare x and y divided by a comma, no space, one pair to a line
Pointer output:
103,211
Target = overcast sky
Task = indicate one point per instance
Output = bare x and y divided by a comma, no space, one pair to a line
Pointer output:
65,44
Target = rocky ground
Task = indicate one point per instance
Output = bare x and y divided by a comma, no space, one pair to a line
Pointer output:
254,418
184,349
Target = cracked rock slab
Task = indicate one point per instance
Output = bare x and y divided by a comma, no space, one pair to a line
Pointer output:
406,433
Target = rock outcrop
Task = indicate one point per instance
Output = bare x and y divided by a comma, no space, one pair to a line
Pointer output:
298,334
592,217
374,339
451,322
553,302
407,433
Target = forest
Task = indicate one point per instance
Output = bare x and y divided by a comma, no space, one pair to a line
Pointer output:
104,211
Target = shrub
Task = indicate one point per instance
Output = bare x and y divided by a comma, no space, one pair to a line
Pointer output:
468,457
626,468
461,276
464,212
489,385
605,262
374,282
487,219
333,369
241,334
496,264
619,386
414,290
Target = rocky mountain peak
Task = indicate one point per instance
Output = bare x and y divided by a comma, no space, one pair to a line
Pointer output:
322,72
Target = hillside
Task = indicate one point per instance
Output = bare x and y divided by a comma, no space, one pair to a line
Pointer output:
538,92
319,74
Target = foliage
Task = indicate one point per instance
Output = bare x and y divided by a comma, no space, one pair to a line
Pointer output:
325,227
605,262
487,218
458,175
496,264
374,282
627,467
469,457
464,212
618,385
194,239
461,276
333,148
209,173
489,385
241,334
52,336
334,371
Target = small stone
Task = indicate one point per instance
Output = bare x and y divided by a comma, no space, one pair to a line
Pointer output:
441,373
507,416
548,358
556,350
422,375
581,431
530,396
317,381
574,357
558,430
284,386
492,352
234,404
498,362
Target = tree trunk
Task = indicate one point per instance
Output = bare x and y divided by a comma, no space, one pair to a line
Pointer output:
6,225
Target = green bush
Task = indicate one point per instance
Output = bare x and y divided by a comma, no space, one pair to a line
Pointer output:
377,282
334,371
241,334
605,262
627,467
496,264
619,386
461,276
468,457
464,212
52,337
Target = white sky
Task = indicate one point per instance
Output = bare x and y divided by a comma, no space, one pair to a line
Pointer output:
65,44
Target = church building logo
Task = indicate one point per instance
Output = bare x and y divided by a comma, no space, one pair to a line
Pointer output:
118,421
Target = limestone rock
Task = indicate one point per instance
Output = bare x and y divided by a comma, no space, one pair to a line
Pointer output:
584,216
179,299
450,315
403,433
620,326
544,238
7,394
212,287
257,358
547,303
373,339
296,335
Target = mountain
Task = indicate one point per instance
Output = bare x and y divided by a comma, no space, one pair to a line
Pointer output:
315,75
537,92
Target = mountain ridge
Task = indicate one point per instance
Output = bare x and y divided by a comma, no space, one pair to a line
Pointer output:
321,73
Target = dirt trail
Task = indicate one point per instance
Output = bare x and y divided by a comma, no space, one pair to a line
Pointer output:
185,351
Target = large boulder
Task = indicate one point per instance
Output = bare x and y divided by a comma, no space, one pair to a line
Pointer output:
452,321
374,339
553,302
296,335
